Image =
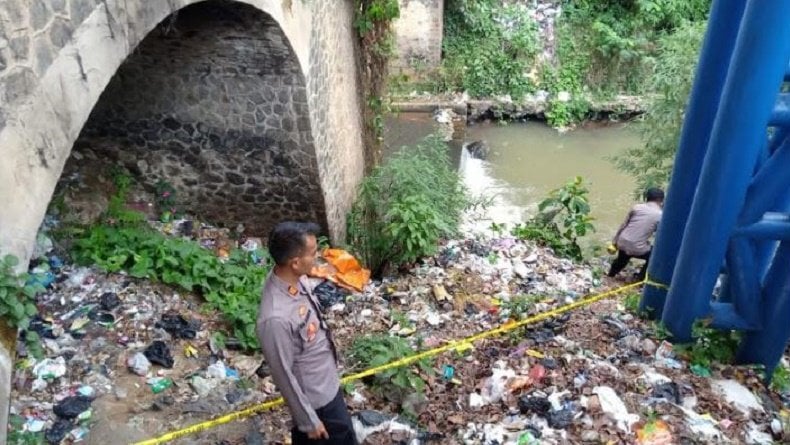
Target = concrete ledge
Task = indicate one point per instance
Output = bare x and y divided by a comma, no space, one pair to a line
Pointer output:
430,107
623,107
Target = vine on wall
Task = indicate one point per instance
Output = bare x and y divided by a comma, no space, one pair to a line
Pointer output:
373,22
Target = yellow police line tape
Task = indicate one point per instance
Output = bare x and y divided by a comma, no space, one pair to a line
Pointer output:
459,345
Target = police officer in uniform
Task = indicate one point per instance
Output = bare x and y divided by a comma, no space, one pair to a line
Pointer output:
297,343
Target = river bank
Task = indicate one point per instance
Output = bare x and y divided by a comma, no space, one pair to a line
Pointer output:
531,107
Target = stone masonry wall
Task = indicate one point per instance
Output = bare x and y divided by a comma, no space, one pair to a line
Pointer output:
213,102
334,96
418,33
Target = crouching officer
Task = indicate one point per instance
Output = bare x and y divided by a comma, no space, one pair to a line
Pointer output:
297,343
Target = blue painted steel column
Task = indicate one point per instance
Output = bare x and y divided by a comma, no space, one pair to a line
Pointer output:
744,284
756,72
766,249
768,187
767,346
705,96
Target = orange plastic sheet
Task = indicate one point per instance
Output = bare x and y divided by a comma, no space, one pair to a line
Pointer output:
342,269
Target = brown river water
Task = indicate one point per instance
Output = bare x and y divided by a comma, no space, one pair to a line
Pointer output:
527,160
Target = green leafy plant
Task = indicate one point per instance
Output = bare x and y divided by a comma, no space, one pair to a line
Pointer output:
780,381
601,48
710,345
660,331
323,243
117,212
379,349
18,436
568,204
489,48
17,294
400,318
631,303
18,302
125,242
166,200
497,229
232,286
405,206
564,113
519,305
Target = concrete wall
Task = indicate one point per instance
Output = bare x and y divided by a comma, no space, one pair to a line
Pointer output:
335,104
58,56
418,33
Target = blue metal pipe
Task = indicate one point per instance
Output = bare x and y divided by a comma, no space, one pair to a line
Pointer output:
767,345
743,280
765,249
726,317
775,226
768,186
756,72
705,96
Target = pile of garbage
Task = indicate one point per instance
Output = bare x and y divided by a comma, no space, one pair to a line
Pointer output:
595,375
125,356
126,359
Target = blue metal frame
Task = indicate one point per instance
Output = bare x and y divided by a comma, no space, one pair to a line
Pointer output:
705,96
728,206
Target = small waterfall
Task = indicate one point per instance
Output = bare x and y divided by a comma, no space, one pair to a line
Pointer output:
483,188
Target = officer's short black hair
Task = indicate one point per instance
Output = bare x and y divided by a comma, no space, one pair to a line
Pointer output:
654,194
288,240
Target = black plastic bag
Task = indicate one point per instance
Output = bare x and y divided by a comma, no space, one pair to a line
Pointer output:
159,353
178,326
71,407
559,420
669,391
534,404
58,431
328,294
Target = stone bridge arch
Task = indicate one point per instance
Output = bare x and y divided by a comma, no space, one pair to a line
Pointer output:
57,58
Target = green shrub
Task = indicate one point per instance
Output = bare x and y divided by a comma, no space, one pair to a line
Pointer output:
489,48
780,381
564,113
125,242
233,287
17,294
18,302
379,349
602,47
710,345
562,219
405,206
614,42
